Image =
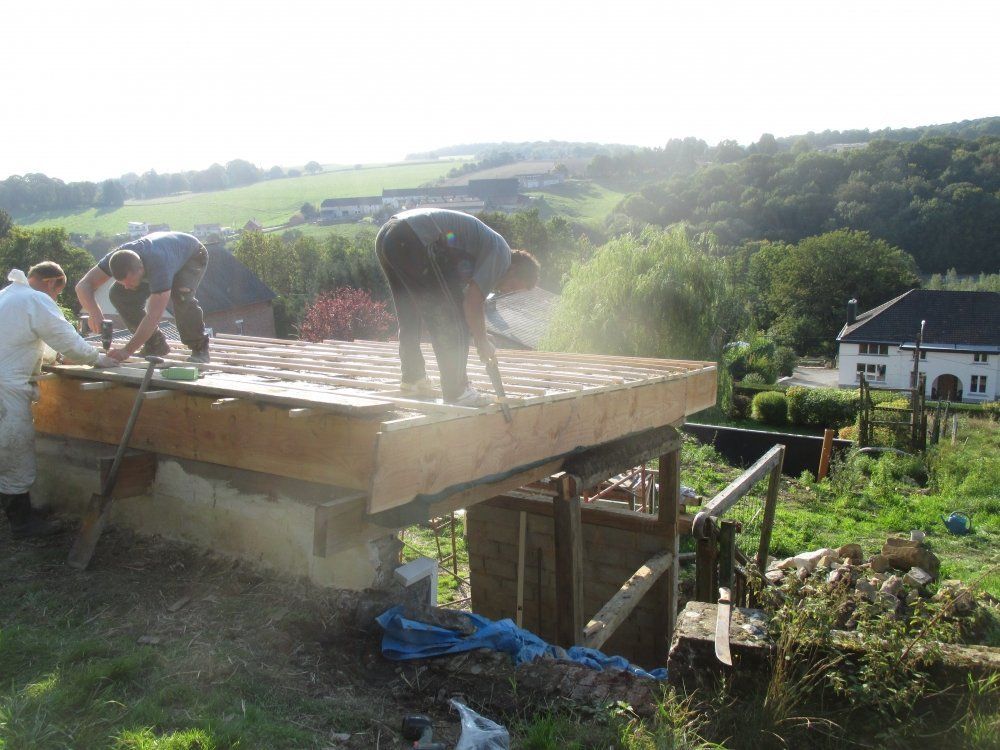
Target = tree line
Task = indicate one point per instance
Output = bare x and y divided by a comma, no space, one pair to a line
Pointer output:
23,195
937,198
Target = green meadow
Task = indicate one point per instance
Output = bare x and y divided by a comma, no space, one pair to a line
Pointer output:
270,202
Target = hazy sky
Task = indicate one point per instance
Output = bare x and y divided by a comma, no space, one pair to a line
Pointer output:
96,88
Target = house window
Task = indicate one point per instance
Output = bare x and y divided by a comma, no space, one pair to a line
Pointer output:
879,350
978,384
874,373
981,358
923,354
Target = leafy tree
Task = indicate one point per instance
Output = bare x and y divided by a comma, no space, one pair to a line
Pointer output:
23,248
241,172
6,223
652,295
308,211
810,283
346,314
275,173
111,194
313,167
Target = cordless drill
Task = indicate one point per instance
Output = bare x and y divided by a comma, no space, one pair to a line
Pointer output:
107,331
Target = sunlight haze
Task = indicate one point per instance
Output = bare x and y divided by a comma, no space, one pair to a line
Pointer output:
98,89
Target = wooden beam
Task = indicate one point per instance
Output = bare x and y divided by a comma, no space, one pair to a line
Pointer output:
594,515
329,448
770,504
744,482
569,564
595,465
603,624
135,475
670,528
323,515
459,451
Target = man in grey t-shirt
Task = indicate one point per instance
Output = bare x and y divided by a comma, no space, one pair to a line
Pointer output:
159,268
441,265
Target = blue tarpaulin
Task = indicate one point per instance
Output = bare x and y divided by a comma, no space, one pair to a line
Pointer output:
410,639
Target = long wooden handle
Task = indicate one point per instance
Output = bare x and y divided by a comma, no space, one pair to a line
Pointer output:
109,482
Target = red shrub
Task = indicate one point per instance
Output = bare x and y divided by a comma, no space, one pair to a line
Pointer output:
346,314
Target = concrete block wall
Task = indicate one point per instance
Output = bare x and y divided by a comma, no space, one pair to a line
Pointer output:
260,518
610,557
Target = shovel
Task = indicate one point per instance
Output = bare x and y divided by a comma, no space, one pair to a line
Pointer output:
95,517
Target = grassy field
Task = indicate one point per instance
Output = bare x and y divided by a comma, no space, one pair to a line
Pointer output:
271,202
580,200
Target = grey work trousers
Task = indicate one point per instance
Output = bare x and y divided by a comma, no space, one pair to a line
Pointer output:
190,318
426,291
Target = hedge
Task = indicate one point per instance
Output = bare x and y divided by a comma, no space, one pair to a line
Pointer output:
770,408
822,407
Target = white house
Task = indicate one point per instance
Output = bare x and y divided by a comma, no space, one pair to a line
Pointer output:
959,355
137,229
344,208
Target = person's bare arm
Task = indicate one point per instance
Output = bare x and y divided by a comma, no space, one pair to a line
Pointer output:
154,311
93,280
474,309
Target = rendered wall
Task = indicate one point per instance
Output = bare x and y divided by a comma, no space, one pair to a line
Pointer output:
610,557
260,518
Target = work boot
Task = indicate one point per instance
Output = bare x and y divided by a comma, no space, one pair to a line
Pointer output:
155,346
25,522
200,356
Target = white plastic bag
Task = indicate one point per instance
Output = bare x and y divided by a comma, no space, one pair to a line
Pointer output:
478,732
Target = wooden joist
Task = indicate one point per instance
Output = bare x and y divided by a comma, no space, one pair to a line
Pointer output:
603,624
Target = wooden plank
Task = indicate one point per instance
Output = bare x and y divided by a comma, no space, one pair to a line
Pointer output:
283,394
569,565
744,482
135,475
522,532
604,624
770,504
329,448
597,464
670,527
323,515
427,459
594,515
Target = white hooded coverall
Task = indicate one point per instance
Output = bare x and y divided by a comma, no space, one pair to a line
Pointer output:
28,321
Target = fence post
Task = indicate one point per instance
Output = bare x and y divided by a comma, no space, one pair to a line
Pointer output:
773,485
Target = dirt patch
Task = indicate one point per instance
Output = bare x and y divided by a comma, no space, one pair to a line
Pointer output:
218,623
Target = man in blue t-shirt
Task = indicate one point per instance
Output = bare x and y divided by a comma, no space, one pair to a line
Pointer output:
160,268
441,265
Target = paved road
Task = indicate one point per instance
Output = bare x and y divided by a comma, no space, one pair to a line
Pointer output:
812,377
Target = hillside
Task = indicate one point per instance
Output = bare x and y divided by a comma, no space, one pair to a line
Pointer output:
271,202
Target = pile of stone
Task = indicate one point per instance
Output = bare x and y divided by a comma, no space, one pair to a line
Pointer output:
893,579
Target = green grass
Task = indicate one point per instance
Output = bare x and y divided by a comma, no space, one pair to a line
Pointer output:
419,541
867,499
271,202
581,200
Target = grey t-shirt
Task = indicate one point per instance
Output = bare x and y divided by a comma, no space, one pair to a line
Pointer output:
162,255
489,253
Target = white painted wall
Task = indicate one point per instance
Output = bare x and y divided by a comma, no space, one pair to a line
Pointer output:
899,365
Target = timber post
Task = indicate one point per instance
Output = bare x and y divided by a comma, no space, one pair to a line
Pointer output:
667,520
569,561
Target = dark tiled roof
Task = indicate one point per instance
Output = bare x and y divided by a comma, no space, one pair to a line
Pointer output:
363,201
228,283
521,317
962,319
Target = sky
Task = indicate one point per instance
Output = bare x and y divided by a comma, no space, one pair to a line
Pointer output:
98,88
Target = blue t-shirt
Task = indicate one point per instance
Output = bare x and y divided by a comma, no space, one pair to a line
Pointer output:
162,255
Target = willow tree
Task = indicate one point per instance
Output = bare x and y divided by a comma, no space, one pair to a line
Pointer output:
655,294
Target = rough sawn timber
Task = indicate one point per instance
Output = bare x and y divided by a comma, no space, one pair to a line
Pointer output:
431,458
